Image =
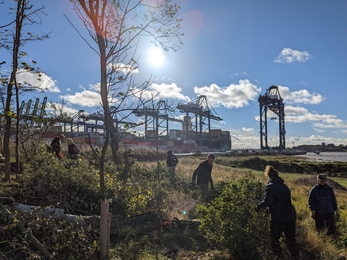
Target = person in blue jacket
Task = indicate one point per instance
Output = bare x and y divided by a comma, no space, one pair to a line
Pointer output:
322,203
282,213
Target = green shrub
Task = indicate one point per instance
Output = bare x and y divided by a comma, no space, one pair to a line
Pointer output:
62,239
64,184
231,222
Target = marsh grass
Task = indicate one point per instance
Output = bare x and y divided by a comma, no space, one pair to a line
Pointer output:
313,245
174,198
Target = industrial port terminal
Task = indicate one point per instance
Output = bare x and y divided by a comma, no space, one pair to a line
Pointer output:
191,131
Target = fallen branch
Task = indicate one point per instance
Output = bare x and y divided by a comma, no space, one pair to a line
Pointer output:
22,229
6,200
138,224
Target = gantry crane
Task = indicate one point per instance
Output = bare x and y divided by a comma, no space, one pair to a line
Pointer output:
202,111
32,117
272,101
157,119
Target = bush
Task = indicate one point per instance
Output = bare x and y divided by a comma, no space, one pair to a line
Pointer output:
231,222
63,240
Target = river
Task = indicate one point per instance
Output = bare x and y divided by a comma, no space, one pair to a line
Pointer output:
325,157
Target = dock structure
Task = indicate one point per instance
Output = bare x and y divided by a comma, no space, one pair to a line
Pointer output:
271,101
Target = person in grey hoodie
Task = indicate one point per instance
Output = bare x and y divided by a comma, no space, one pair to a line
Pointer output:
282,213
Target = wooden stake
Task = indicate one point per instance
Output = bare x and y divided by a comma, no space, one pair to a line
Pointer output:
104,234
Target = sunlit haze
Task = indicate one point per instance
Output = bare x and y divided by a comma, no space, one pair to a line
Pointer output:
232,52
156,56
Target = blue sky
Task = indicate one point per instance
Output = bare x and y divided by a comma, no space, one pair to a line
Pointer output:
233,51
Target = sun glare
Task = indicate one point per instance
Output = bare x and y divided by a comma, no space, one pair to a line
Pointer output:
156,57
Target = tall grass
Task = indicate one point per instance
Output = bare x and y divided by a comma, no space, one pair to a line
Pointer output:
314,245
173,197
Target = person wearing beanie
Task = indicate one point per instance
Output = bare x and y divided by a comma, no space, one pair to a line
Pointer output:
323,205
282,213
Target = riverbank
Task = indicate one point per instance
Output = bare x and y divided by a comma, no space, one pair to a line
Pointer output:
324,157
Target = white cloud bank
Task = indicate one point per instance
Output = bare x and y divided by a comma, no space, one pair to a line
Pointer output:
42,81
233,96
165,91
85,98
300,96
289,55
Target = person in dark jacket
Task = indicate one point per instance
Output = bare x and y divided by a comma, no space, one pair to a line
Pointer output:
171,161
73,151
282,212
322,203
56,145
203,176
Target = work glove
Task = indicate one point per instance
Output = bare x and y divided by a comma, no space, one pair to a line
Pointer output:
313,214
337,215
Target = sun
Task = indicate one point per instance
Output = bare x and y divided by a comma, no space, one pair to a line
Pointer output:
156,57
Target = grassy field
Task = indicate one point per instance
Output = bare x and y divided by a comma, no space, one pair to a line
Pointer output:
300,185
175,199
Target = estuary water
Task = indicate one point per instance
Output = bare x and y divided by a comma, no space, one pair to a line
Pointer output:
325,157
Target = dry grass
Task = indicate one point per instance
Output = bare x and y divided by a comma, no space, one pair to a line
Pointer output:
310,241
220,173
179,205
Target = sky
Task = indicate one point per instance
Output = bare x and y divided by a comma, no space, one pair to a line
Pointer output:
232,52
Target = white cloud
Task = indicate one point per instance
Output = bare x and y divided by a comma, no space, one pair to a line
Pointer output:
94,87
300,115
85,98
319,122
243,141
68,110
165,91
319,130
233,96
299,96
125,69
42,81
289,55
91,97
247,130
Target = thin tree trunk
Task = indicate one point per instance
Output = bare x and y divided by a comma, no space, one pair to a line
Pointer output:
8,113
17,130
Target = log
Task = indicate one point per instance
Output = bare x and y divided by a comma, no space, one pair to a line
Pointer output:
30,236
120,228
139,224
6,200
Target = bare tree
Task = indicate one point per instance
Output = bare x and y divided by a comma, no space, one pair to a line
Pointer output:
116,28
14,39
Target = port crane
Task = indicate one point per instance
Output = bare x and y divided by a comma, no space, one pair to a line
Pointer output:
33,116
203,113
156,119
272,101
